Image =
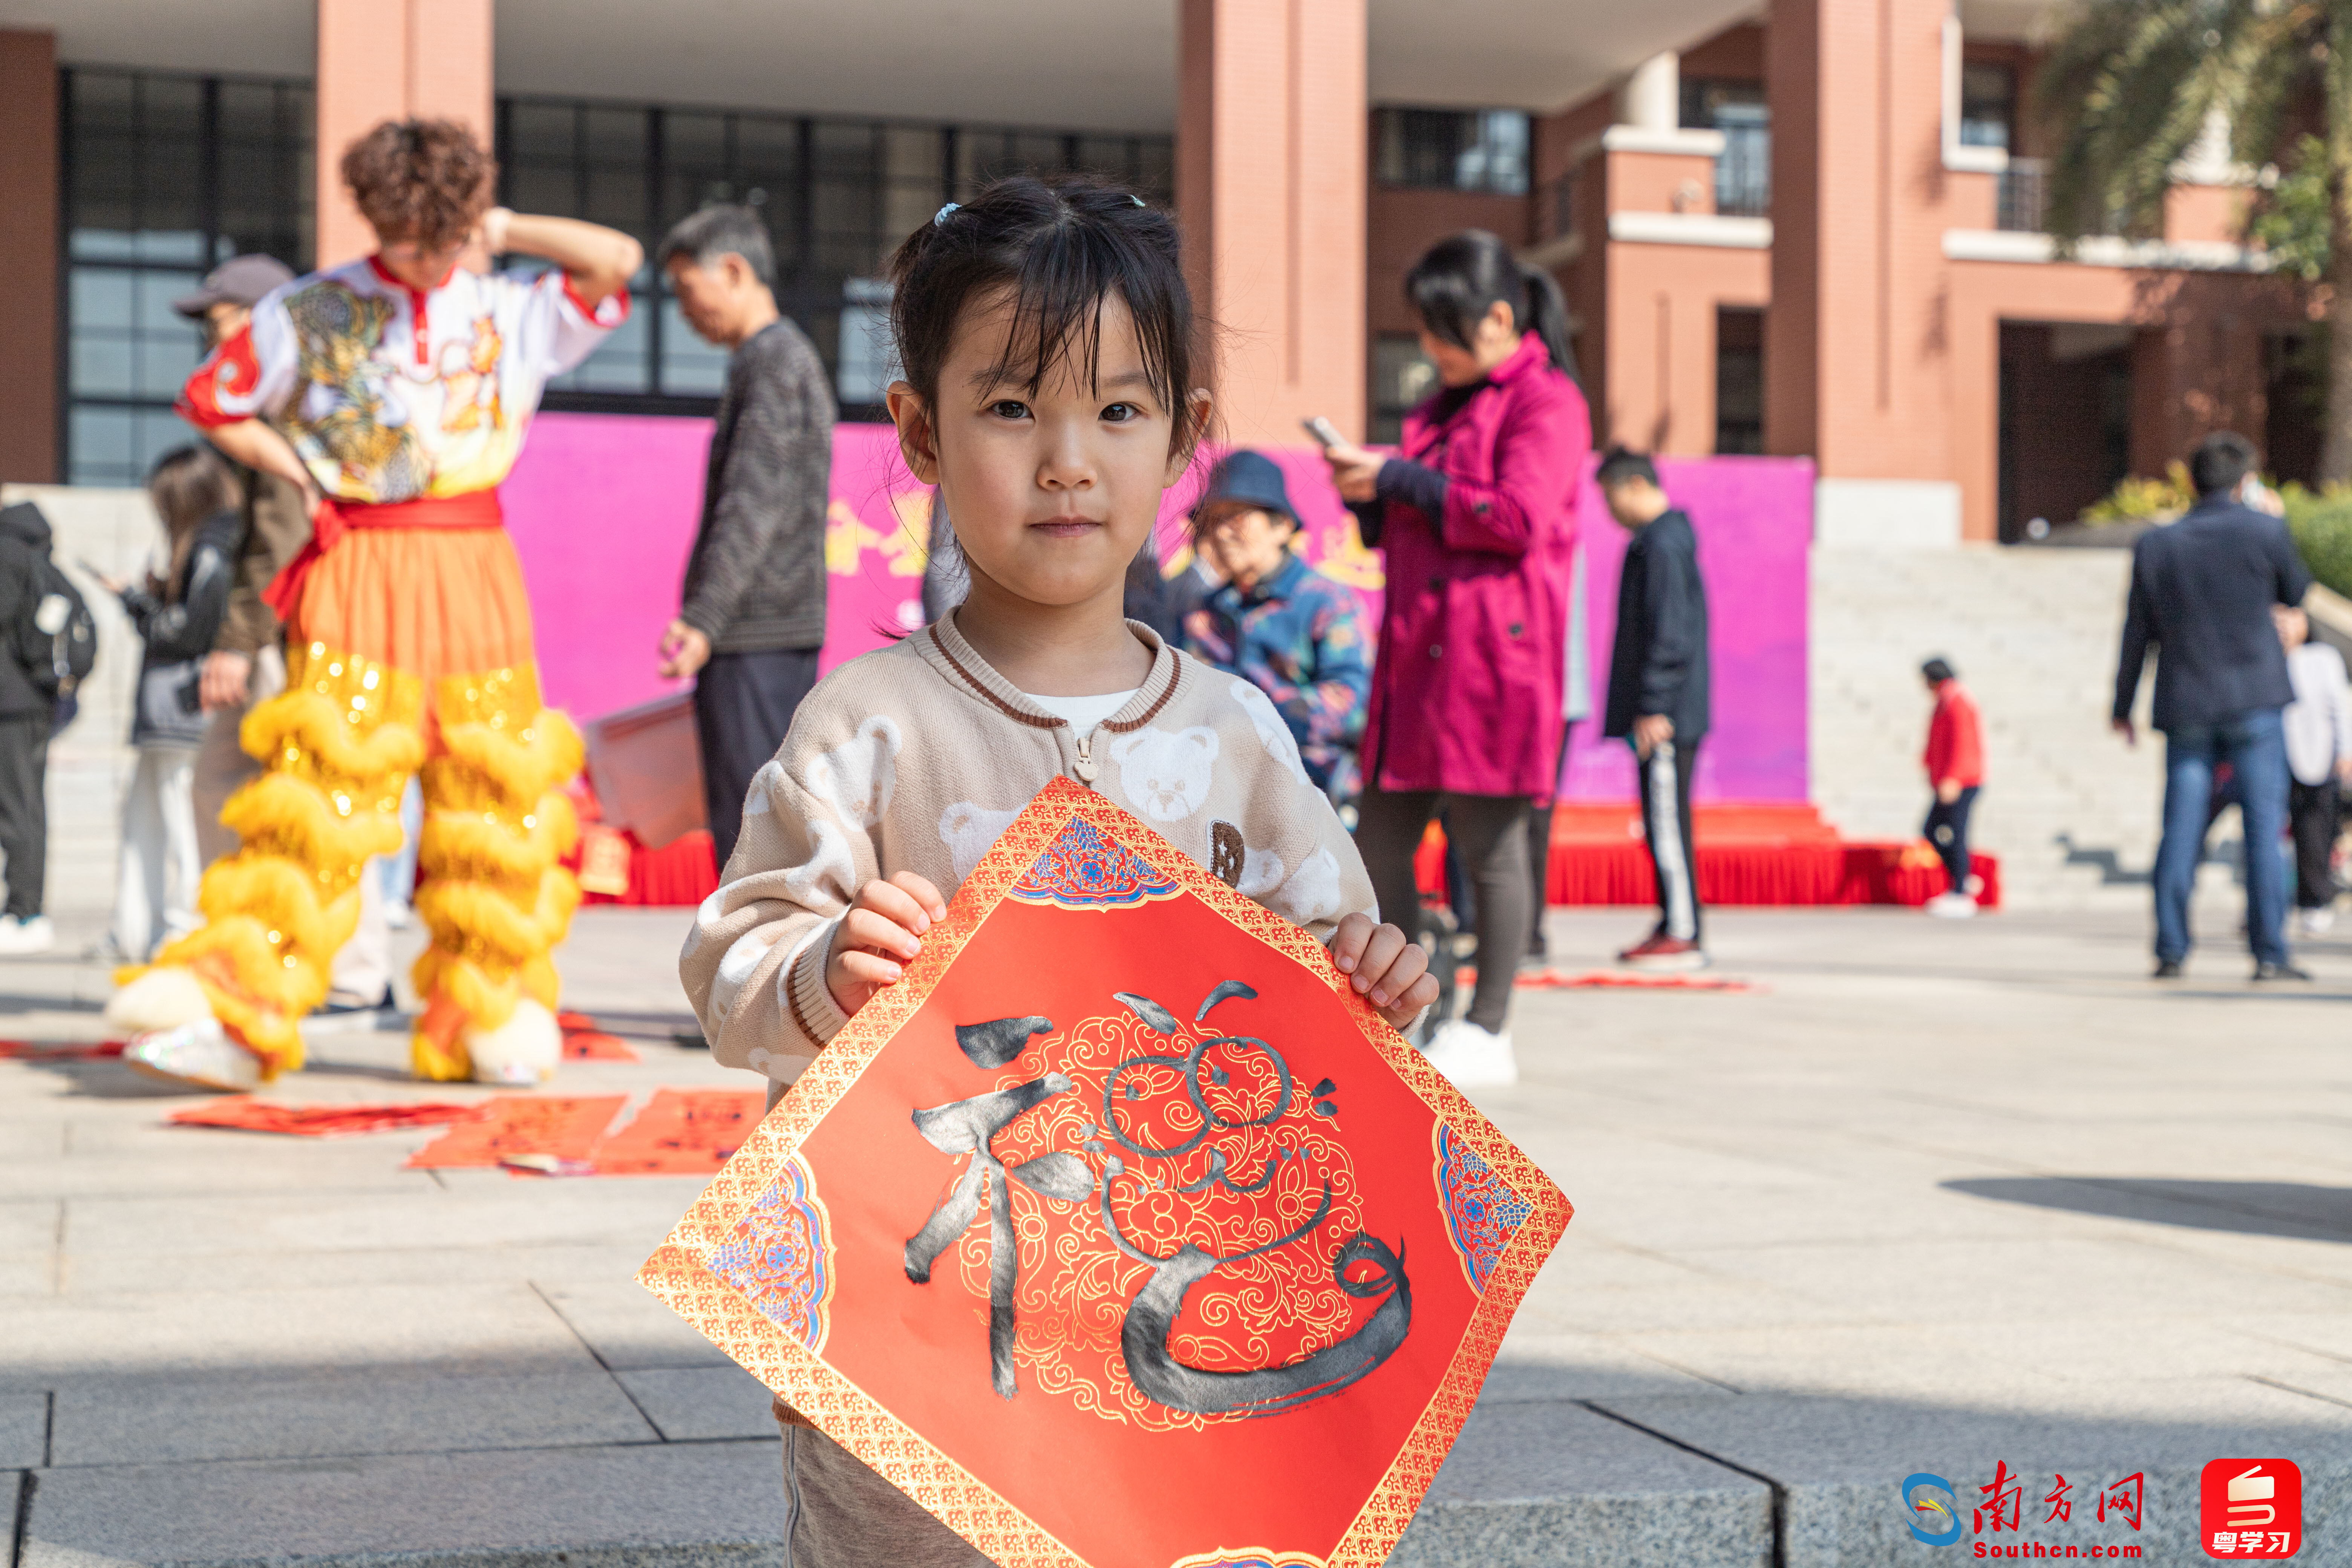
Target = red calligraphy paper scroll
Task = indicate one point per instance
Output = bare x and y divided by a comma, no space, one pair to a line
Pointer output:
1121,1231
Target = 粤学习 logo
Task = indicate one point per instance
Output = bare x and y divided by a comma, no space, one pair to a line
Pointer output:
1934,1519
2250,1509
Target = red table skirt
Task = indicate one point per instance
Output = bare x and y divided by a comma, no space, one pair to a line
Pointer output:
684,873
1876,873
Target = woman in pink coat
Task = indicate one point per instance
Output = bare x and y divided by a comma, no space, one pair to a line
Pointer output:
1478,520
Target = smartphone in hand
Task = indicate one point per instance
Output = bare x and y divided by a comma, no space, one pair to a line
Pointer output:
1327,435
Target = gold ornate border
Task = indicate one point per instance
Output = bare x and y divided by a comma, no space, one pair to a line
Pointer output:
678,1271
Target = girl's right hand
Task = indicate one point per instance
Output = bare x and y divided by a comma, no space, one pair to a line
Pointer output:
878,937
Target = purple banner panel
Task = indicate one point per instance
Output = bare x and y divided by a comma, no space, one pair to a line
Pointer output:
603,511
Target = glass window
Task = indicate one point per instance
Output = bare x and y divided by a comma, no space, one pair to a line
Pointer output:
166,177
1987,103
868,365
1402,376
1452,149
838,197
1743,174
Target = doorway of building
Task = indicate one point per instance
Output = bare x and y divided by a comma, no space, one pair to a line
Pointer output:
2294,384
1739,382
2065,419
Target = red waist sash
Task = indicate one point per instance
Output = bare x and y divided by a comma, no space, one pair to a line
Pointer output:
475,509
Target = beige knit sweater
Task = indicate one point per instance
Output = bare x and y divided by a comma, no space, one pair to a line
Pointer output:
916,757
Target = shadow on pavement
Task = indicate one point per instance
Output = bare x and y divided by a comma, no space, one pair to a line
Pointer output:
2296,1209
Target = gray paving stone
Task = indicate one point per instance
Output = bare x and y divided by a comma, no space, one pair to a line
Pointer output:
1548,1366
338,1415
1556,1484
23,1430
30,1226
695,1505
630,1328
130,1273
497,1329
702,1403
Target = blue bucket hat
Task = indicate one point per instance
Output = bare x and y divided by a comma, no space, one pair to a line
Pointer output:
1248,478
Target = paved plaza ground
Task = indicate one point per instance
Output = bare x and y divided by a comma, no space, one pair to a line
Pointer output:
1931,1198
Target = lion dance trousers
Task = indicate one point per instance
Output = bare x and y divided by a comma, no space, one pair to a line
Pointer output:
410,648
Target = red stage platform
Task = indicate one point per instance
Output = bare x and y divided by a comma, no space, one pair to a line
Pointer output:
1748,852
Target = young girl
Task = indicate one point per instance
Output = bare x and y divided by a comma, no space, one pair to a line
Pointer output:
1051,394
177,614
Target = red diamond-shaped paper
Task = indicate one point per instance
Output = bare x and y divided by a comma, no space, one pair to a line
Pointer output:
1260,1255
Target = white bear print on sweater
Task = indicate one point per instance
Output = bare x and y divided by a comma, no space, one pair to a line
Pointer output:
1164,774
1260,873
755,801
1313,893
970,831
857,777
1272,732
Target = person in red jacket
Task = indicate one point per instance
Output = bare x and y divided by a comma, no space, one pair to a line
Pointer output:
1955,760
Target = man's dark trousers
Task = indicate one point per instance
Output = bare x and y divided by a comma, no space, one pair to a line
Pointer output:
2312,809
1947,830
2254,745
1665,775
23,808
744,704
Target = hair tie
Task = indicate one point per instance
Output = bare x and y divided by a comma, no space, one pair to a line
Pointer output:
940,218
1136,199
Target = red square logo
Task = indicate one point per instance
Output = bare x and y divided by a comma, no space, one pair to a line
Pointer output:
2250,1509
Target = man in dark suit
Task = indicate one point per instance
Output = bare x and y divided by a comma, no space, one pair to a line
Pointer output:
2201,592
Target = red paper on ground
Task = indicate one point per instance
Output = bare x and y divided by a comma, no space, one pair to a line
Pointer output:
682,1132
1261,1255
244,1113
567,1127
594,1046
35,1050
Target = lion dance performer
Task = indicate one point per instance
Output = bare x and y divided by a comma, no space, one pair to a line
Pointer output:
395,389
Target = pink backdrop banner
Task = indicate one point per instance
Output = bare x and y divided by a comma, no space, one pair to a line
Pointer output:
603,511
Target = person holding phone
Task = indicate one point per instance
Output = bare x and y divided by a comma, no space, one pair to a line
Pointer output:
1477,516
177,612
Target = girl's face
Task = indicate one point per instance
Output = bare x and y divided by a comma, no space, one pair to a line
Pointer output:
1493,338
1053,494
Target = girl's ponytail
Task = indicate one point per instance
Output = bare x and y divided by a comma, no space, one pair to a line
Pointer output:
1545,313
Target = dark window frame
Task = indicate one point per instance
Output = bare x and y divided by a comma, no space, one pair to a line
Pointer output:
1397,119
292,96
810,289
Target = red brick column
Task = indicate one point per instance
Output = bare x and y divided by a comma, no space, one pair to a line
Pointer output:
29,255
1855,343
379,61
1270,180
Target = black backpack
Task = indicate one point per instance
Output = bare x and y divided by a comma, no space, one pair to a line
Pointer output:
57,639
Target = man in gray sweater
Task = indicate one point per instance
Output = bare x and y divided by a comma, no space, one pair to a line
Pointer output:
754,618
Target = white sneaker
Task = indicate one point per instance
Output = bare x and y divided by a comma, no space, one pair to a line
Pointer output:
21,935
200,1053
1473,1058
1952,907
2318,921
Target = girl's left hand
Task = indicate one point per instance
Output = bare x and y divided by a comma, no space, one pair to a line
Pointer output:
1387,968
1355,472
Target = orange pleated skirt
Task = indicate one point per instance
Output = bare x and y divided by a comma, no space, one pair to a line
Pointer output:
430,601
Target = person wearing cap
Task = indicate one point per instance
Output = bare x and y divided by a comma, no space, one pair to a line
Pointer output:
396,391
247,662
1277,623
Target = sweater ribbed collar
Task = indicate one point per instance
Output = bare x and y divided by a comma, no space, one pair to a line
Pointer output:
943,646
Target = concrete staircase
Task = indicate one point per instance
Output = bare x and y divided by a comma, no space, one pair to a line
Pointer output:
2070,811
